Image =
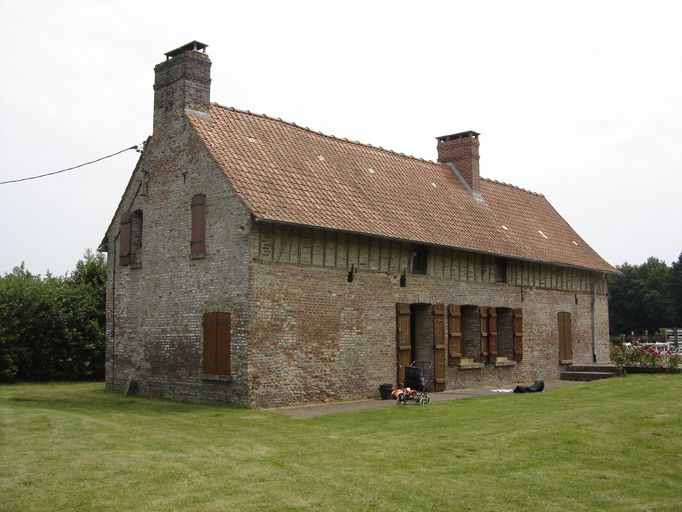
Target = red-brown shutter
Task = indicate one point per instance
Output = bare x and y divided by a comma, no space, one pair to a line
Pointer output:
454,334
483,311
209,353
222,364
492,334
124,239
403,339
198,242
518,335
565,337
216,353
439,347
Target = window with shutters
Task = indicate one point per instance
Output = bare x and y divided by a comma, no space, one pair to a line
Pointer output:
130,239
215,357
198,241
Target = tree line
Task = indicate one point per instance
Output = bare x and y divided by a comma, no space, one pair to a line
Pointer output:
52,328
646,297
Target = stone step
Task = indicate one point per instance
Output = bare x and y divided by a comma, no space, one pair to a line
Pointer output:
585,376
602,368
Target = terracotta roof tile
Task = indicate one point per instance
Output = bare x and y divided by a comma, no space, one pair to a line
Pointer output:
286,173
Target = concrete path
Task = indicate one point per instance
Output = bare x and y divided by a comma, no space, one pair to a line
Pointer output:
303,411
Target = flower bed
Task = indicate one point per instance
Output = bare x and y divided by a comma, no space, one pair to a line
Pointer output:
642,359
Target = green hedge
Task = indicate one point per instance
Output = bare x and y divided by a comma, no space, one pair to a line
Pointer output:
53,327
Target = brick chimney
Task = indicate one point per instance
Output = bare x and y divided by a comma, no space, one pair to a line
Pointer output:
461,150
182,82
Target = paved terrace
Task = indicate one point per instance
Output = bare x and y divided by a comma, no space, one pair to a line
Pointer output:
303,411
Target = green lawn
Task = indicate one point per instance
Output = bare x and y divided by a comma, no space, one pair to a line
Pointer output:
608,445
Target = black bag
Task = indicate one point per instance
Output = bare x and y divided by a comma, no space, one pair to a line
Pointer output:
536,387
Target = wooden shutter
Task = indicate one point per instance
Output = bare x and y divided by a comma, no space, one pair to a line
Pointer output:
216,352
483,312
198,242
403,339
454,334
124,239
209,353
438,347
565,337
518,335
492,334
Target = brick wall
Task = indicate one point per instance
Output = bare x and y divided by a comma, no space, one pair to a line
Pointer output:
155,307
316,337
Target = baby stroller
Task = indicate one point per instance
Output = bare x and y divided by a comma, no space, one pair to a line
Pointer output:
418,377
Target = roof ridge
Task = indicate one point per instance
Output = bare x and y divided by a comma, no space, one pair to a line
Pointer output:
513,186
334,137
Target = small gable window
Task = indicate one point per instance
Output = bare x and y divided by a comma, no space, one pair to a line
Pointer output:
420,255
198,241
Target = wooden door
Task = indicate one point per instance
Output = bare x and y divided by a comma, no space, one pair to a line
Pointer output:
565,337
403,339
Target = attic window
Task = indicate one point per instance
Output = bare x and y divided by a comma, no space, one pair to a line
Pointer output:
371,171
250,139
320,158
434,185
575,243
501,270
543,235
420,255
505,227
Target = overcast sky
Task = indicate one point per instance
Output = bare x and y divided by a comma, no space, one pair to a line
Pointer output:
581,101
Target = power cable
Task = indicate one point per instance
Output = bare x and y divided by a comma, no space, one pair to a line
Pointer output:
137,147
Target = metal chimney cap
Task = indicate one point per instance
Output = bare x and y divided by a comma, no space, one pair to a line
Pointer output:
194,46
460,135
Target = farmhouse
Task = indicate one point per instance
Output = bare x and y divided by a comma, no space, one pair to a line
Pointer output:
257,262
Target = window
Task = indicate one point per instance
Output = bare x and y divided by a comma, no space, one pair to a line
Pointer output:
419,259
130,239
471,334
124,239
198,241
501,270
216,344
136,239
505,334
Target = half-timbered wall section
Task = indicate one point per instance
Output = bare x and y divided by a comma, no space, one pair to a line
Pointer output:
278,243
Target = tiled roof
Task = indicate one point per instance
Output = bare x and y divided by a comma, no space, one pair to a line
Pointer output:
286,173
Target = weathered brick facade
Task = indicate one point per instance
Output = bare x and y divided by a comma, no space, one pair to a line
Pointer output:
300,329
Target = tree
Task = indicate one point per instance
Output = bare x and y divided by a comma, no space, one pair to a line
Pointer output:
643,297
675,290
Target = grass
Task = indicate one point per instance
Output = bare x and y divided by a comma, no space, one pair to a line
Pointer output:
608,445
